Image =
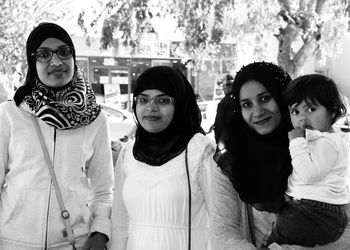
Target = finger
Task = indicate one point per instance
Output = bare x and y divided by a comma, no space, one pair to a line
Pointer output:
302,124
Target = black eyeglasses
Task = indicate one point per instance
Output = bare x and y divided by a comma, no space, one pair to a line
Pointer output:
45,55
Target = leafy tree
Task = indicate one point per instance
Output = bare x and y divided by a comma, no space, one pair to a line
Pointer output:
17,19
302,27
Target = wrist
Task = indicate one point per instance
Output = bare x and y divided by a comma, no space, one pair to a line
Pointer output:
99,235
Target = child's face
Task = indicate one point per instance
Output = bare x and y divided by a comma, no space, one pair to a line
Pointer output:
313,117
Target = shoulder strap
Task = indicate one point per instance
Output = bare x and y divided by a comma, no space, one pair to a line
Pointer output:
189,200
251,223
64,212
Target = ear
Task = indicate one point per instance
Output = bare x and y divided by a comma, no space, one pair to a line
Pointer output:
331,118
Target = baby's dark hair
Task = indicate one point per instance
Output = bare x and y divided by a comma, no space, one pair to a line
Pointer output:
313,89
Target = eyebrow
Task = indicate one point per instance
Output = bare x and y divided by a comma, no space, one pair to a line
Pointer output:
262,93
61,46
155,96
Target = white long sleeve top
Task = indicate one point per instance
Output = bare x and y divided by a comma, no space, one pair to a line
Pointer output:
320,167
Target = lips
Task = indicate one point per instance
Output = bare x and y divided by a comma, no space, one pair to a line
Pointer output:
56,70
151,118
262,121
308,127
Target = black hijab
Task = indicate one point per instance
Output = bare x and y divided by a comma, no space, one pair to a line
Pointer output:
158,148
260,164
35,39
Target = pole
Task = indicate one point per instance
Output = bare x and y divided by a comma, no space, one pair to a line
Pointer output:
129,83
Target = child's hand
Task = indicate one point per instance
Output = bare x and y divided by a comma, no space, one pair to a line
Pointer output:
297,132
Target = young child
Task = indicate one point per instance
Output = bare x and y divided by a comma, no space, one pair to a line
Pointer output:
314,212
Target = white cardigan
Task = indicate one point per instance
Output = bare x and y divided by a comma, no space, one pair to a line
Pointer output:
82,159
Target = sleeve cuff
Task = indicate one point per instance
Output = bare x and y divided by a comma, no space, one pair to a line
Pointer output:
101,225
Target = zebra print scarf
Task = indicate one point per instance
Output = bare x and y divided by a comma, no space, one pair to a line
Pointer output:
68,108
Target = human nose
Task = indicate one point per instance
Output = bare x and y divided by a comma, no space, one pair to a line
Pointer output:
302,122
258,110
55,60
151,105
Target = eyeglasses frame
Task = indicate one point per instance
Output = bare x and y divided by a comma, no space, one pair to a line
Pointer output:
53,52
172,99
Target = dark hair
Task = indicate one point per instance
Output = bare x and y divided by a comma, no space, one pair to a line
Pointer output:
313,89
229,77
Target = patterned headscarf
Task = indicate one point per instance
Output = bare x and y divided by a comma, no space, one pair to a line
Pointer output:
158,148
260,164
71,106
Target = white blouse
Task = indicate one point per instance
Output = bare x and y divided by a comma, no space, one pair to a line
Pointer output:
150,210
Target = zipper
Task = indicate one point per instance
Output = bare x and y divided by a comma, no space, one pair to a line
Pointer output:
50,191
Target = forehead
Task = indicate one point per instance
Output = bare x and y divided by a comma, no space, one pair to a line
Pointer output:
152,92
52,43
251,89
305,104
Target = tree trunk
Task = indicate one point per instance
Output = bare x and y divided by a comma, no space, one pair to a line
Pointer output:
293,61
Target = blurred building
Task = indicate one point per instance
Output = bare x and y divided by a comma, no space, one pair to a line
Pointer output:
113,72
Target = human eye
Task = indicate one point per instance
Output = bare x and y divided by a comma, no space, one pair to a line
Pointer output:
163,100
43,54
142,100
65,52
311,109
245,104
266,98
293,111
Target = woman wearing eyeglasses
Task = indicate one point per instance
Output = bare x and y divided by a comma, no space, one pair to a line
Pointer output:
161,194
56,173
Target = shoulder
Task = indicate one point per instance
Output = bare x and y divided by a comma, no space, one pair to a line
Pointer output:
9,108
315,136
102,116
328,142
201,146
10,104
99,122
201,141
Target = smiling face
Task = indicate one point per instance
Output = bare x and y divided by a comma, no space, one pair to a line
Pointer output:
154,117
56,72
259,109
313,116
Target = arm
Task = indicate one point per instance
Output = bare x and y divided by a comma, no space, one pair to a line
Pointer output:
4,141
205,175
100,174
311,164
229,231
120,217
226,231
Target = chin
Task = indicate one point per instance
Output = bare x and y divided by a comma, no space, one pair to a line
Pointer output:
265,131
